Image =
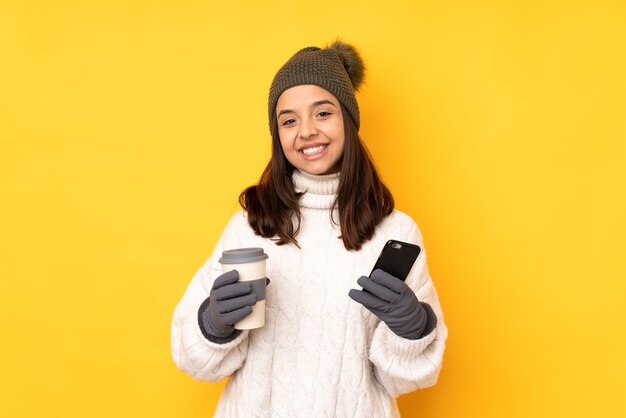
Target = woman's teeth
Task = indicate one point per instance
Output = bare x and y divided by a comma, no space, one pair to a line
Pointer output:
314,150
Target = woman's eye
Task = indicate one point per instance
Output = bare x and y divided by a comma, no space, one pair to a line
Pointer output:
323,114
288,122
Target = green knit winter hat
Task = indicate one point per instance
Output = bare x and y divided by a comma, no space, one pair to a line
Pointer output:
338,69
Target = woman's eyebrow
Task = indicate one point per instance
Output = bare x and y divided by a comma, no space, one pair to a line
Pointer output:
321,102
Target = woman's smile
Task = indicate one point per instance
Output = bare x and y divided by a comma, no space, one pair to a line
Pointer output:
313,151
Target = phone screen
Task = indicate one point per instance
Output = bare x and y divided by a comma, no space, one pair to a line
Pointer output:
397,258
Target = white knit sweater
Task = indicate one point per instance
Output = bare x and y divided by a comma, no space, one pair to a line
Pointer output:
320,354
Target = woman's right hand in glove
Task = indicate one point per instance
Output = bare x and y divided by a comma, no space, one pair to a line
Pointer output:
229,301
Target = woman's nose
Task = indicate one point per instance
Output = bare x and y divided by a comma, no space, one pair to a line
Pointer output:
307,129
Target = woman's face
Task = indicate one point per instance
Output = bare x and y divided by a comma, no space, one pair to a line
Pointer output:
310,128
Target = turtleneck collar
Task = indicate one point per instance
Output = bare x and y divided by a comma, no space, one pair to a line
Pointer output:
320,191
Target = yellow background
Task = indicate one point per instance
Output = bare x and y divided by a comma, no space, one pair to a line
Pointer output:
128,128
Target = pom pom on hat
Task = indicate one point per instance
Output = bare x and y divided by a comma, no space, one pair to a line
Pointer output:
352,62
338,68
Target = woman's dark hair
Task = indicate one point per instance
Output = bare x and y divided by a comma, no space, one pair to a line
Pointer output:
362,199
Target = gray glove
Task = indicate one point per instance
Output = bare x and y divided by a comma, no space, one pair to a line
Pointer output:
395,303
229,302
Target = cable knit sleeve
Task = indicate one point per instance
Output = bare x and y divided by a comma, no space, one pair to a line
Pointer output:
402,365
193,353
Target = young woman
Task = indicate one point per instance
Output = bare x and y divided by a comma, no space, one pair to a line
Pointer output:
322,214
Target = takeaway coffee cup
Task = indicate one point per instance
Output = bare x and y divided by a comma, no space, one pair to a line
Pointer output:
250,264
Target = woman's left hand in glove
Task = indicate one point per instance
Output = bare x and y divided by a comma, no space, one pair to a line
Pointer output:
393,302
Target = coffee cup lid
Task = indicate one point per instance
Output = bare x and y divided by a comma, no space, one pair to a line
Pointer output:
242,255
